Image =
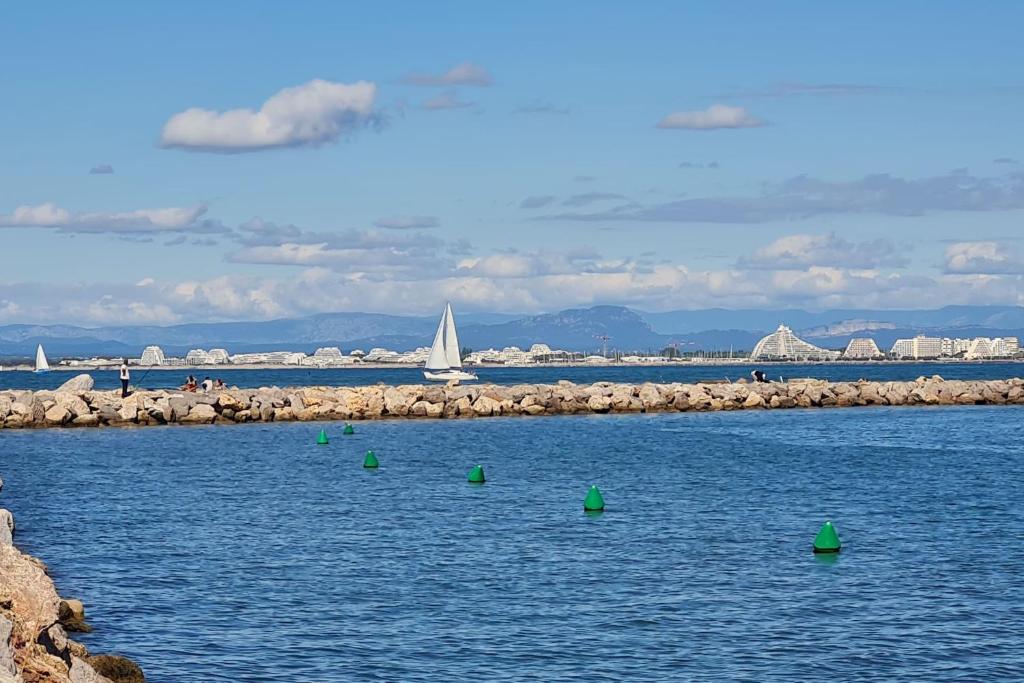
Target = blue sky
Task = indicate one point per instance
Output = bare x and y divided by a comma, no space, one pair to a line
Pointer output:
192,161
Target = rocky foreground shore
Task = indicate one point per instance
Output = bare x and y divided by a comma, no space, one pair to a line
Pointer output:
34,626
76,404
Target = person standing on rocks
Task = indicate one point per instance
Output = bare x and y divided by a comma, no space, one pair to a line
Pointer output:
125,376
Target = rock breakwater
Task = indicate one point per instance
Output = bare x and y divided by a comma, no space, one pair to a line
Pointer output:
34,625
80,407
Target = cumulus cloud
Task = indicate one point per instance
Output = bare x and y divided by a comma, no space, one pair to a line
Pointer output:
800,252
308,115
140,221
101,169
984,258
806,197
446,100
466,73
536,201
715,117
406,222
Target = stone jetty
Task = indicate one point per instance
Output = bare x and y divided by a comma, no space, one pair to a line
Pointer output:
34,626
76,404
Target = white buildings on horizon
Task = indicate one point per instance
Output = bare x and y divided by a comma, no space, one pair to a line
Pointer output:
782,344
922,347
862,348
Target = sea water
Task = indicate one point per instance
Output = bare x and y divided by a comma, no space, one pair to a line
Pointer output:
581,374
249,553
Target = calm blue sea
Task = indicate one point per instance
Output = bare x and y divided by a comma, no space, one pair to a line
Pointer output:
247,553
162,379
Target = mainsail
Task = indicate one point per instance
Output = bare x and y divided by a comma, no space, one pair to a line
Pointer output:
445,352
41,363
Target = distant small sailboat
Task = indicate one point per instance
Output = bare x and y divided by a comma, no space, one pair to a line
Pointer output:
41,364
445,360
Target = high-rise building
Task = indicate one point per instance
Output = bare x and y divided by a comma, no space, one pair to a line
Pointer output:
197,357
782,344
152,355
918,347
862,347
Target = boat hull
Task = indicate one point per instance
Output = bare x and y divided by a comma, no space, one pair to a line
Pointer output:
449,375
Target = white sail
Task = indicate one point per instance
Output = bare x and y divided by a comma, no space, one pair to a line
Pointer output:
41,363
451,340
438,360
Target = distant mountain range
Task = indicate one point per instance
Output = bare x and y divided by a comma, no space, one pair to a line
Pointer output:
573,329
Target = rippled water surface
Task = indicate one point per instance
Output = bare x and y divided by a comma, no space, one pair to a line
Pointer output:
686,372
247,553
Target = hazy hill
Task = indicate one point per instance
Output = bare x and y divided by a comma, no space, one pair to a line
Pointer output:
575,329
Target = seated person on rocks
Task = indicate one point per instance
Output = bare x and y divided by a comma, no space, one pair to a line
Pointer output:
190,384
218,383
758,376
207,384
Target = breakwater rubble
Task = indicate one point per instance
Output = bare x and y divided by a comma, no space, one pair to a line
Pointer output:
75,404
34,626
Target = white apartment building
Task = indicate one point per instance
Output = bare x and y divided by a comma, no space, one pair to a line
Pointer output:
918,347
782,344
862,348
152,355
269,358
197,357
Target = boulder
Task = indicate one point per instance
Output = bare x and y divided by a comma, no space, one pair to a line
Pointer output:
71,614
117,669
6,527
57,415
77,384
599,404
82,672
199,414
8,670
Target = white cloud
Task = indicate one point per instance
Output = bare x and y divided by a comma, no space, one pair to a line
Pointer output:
307,115
445,100
713,118
466,73
171,219
984,258
805,251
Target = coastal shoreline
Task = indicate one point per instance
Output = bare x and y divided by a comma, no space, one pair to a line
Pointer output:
705,362
35,622
77,405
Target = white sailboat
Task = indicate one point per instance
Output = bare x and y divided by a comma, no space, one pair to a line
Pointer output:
445,361
41,364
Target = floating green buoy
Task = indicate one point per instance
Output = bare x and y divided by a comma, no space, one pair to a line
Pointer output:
321,440
476,475
370,461
827,540
349,429
594,502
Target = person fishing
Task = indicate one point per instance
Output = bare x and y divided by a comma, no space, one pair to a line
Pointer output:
125,377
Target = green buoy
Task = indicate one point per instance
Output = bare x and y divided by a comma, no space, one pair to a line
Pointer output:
827,540
594,502
349,429
370,461
476,475
322,438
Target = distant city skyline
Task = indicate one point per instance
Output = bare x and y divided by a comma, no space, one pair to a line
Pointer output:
188,163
